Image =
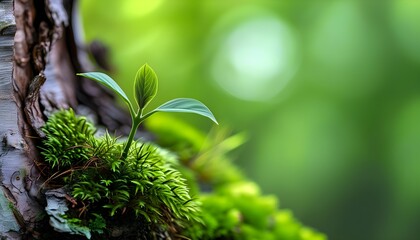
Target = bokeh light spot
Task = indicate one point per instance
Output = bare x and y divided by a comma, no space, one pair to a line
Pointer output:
256,59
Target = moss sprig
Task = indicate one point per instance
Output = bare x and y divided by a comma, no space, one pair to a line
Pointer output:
67,139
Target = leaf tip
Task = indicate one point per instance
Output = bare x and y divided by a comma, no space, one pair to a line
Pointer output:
213,118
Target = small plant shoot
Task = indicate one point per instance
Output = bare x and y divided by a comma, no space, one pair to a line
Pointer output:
145,89
107,189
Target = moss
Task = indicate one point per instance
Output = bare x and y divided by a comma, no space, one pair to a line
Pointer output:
144,187
233,207
239,211
147,196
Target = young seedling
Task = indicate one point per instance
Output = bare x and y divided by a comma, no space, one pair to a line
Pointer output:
145,89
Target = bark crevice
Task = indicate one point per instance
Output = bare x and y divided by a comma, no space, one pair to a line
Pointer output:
40,52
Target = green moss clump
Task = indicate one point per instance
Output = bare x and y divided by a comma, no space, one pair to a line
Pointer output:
232,206
145,187
67,140
239,211
148,196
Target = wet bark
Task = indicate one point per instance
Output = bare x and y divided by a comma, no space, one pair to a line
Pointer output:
40,52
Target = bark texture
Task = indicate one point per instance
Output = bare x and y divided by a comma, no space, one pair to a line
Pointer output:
40,52
18,207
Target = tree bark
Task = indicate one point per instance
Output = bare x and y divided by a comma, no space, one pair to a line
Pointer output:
40,52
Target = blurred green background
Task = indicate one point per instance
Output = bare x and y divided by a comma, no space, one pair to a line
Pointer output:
328,92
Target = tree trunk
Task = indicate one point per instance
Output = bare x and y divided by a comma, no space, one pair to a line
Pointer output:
39,55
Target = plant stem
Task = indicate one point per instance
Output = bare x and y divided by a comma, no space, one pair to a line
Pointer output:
134,125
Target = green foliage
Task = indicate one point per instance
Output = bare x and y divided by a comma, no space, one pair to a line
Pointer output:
145,89
108,82
67,140
186,105
145,85
105,187
149,187
97,224
235,207
245,214
239,211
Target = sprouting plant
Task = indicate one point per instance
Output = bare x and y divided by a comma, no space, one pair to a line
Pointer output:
145,188
145,89
142,191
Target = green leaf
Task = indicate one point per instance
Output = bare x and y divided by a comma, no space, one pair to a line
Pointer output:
108,82
185,105
145,86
